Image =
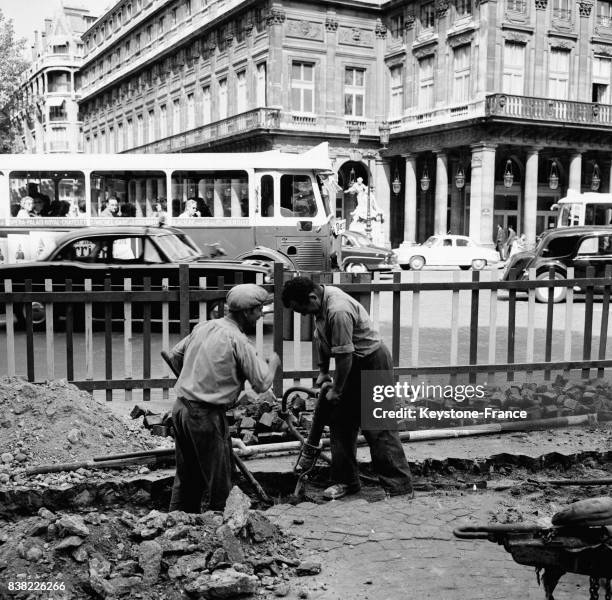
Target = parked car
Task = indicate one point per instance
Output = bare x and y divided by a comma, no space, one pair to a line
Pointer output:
447,250
360,255
127,252
577,247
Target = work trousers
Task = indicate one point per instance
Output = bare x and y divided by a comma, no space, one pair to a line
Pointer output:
203,456
388,458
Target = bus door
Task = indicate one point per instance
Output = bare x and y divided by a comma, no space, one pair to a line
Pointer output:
266,210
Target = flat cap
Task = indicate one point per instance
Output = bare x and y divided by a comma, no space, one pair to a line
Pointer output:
247,295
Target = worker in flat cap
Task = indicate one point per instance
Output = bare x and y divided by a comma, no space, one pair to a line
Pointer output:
214,362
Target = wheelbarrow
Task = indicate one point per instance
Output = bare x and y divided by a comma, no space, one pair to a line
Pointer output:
585,550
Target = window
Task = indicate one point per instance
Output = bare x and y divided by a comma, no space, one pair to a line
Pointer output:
58,113
210,194
149,33
50,197
558,74
190,111
461,73
128,11
112,147
261,84
396,104
426,83
297,196
601,79
139,130
604,13
176,116
130,133
85,250
206,106
241,92
173,14
103,147
137,43
514,68
397,27
354,92
160,26
302,87
58,82
151,125
120,145
135,193
463,8
266,194
222,99
562,10
163,121
187,8
428,16
127,49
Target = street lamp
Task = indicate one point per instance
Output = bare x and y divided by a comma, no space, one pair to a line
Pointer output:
508,175
460,177
396,184
596,179
384,130
425,179
553,180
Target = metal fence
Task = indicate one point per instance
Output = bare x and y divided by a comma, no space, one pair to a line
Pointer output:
481,336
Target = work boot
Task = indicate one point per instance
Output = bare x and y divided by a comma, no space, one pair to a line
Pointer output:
339,490
307,458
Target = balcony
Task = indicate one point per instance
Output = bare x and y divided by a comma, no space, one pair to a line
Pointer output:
238,125
560,112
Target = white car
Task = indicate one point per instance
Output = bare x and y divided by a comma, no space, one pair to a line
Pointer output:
447,250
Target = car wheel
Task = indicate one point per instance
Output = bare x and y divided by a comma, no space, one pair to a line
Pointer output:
355,268
417,263
478,264
464,267
39,316
559,293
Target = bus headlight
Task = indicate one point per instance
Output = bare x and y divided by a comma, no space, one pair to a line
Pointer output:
268,279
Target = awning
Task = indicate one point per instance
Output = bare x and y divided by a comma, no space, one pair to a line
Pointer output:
55,101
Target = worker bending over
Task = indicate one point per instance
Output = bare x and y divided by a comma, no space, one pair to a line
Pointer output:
344,331
214,362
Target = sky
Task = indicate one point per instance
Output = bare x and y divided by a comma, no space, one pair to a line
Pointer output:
29,15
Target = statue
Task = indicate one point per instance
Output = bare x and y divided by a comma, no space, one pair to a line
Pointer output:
360,214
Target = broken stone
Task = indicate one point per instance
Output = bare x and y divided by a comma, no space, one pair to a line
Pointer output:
218,557
72,541
34,553
112,588
73,436
80,554
45,513
260,527
236,511
223,584
128,567
149,559
37,527
281,590
99,566
230,544
308,567
72,525
6,457
187,564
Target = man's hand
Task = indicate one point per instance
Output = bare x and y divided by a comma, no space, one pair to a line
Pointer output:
274,362
333,396
240,447
322,378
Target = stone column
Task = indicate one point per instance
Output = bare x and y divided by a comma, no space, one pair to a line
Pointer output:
455,201
575,172
382,191
531,194
482,193
332,85
540,77
275,19
584,51
410,199
441,206
380,74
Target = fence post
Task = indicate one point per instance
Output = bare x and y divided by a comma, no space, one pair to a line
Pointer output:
184,299
474,324
278,326
603,331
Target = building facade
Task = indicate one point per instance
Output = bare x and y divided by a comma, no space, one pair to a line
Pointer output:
495,108
45,110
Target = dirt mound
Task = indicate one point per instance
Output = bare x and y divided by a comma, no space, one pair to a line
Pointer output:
154,556
57,423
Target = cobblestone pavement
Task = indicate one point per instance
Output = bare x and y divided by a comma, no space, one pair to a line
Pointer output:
401,549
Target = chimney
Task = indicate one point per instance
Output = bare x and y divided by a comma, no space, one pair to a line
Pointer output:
48,26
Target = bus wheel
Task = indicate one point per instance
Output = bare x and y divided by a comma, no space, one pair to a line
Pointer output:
559,293
355,268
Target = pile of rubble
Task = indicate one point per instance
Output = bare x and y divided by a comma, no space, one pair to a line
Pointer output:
159,555
58,423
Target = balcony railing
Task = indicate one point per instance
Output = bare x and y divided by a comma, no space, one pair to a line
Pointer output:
546,109
260,118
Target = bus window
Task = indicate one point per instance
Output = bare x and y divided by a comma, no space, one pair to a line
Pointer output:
136,193
598,214
267,196
297,196
52,194
210,194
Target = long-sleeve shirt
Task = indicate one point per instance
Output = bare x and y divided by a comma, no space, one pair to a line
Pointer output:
215,360
343,326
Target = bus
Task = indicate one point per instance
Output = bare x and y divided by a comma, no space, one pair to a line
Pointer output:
589,208
269,206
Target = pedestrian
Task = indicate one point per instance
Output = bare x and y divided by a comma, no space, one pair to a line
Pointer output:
344,331
500,242
519,245
510,240
214,362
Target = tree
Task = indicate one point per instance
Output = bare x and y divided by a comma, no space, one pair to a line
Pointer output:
12,65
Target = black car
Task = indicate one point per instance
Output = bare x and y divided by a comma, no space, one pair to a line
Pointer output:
360,255
117,253
577,247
